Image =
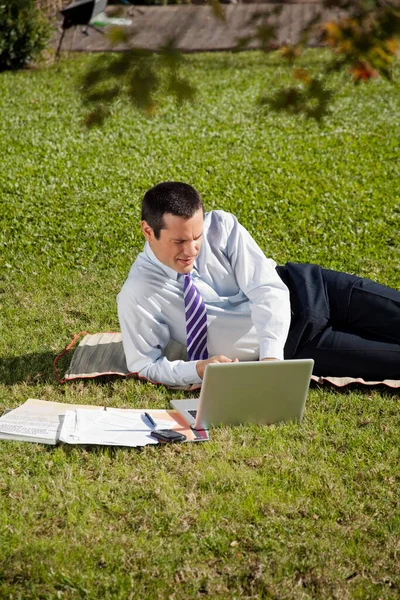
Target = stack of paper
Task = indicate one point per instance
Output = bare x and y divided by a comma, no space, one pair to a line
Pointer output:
112,427
50,422
34,421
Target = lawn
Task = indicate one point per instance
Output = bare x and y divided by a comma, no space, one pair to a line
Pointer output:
284,512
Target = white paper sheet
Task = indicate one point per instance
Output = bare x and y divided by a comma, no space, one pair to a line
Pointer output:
35,421
112,427
24,427
47,422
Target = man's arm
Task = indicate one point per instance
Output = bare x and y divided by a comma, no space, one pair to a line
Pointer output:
145,337
269,297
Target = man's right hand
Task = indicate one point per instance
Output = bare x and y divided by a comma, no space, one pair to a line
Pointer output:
201,364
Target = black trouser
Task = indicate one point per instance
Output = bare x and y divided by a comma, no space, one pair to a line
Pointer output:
350,326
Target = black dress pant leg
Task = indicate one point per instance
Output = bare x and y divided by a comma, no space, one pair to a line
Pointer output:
363,305
362,335
339,353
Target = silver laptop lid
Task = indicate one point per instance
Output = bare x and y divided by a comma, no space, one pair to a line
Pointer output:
256,392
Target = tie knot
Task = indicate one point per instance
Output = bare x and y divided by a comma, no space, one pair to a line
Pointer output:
187,280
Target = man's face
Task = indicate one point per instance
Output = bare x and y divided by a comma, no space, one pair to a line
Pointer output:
179,243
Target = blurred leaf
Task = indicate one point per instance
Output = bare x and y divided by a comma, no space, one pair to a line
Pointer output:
243,42
380,53
312,100
97,116
302,75
142,85
171,54
392,45
287,99
266,34
338,63
97,73
181,89
310,28
362,71
290,52
217,9
103,95
119,35
332,33
121,64
363,41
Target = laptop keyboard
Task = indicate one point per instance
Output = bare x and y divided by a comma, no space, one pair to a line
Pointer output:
193,413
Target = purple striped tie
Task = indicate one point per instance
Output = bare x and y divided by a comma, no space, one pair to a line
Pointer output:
196,321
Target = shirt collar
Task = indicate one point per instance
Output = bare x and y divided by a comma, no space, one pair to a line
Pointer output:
171,273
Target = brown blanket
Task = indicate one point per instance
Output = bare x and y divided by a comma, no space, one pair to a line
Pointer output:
101,354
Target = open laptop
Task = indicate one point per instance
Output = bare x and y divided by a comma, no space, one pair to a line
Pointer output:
255,391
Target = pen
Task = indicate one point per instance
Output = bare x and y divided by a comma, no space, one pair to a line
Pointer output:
150,419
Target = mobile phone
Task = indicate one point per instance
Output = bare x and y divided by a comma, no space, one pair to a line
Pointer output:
168,435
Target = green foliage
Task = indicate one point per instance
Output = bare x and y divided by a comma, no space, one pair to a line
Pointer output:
285,512
363,39
366,39
312,99
24,33
140,76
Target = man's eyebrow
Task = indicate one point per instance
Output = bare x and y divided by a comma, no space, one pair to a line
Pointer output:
185,239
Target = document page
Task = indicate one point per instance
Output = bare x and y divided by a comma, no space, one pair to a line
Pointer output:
48,422
23,426
113,427
35,421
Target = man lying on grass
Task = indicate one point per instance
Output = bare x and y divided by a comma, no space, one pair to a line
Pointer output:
202,281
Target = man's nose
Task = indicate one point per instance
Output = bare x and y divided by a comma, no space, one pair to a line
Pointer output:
191,248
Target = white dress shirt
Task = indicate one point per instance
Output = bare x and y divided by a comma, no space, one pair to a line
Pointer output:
248,308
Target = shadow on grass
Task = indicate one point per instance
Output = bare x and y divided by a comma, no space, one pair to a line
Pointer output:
110,451
37,368
31,368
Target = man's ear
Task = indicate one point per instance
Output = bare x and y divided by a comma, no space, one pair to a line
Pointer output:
147,231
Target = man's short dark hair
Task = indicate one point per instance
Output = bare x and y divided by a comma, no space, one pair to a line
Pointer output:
173,197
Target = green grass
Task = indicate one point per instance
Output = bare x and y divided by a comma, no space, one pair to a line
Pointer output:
283,512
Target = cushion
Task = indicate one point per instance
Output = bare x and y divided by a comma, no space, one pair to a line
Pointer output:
102,354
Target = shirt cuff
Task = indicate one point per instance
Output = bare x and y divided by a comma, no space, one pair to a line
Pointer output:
189,373
271,349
